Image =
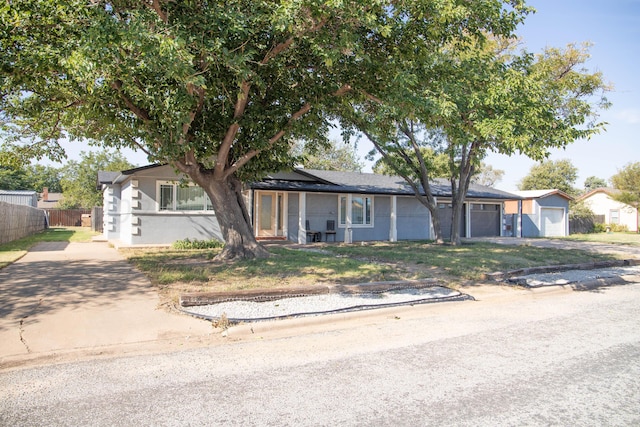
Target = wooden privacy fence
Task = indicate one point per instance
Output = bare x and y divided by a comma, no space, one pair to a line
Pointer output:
97,218
66,217
18,221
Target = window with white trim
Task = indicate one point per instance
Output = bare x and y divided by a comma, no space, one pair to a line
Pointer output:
175,197
614,216
361,211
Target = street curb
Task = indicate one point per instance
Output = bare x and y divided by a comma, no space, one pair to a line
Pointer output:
501,276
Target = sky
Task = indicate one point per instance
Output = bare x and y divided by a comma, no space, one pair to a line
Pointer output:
613,27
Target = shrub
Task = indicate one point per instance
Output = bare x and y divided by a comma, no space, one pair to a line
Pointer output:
197,244
616,228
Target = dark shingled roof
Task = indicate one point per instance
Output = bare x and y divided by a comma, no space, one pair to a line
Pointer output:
312,180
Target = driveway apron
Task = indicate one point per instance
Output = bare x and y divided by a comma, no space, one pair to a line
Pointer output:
66,296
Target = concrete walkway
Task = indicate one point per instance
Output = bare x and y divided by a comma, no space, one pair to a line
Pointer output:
63,297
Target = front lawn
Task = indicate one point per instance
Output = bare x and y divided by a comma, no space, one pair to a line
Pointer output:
627,238
178,271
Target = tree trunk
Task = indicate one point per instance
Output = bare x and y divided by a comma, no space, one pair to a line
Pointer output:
457,204
233,218
232,215
459,193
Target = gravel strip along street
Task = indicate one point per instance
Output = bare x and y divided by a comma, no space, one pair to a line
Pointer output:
245,311
573,276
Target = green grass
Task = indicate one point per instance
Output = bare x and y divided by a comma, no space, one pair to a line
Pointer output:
286,267
13,251
194,270
468,261
627,238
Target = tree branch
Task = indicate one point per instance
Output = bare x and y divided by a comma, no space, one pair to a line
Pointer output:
186,126
251,154
155,5
141,113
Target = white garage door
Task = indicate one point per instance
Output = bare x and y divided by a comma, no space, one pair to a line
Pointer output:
552,222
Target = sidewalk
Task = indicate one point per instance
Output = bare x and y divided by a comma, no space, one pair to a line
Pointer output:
63,297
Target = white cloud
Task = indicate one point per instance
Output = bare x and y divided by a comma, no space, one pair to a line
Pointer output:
629,115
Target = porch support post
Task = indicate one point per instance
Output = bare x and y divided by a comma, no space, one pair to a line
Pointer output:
467,232
302,214
432,231
519,220
348,238
285,215
393,229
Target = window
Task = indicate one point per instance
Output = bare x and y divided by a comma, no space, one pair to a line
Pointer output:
361,211
176,197
614,217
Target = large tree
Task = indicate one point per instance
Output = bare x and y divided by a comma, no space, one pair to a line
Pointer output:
479,97
560,175
627,180
79,177
219,90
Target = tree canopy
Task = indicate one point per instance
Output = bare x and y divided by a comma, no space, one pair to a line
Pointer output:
560,175
219,90
79,178
627,180
335,156
593,182
32,177
481,96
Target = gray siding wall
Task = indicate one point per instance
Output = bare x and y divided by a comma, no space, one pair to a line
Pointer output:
134,218
529,225
554,201
413,219
292,216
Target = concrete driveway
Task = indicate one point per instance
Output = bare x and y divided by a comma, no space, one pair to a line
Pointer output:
69,297
609,248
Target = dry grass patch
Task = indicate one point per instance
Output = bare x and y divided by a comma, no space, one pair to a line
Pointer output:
182,271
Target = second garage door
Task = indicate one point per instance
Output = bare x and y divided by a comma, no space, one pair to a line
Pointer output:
552,222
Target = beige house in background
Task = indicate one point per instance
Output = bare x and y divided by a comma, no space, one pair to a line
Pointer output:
614,212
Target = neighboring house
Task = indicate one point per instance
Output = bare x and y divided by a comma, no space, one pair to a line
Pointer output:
614,212
544,213
19,197
148,205
49,200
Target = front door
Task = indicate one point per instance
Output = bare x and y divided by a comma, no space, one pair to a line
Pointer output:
270,214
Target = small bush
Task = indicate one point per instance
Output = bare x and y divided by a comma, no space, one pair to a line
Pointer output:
619,228
615,228
197,244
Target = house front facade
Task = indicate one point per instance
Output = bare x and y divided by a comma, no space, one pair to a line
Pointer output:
364,207
611,211
154,205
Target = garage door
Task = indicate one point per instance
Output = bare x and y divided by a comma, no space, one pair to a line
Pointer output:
552,222
485,220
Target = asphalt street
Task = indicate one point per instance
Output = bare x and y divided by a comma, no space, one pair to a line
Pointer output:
547,357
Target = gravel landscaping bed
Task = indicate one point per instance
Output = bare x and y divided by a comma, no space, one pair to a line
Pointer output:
245,311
